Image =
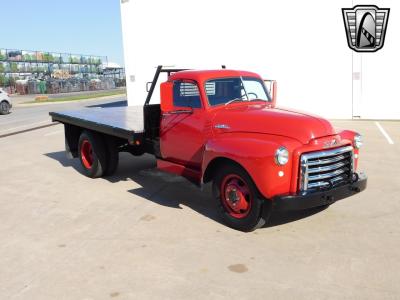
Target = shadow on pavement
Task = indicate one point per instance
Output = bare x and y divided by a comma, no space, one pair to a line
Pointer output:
171,190
154,185
280,218
64,161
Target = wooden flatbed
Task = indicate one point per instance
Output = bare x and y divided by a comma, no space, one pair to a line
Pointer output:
123,122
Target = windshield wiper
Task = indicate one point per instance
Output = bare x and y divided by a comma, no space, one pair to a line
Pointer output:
233,100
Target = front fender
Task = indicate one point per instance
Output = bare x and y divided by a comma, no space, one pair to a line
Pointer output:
256,154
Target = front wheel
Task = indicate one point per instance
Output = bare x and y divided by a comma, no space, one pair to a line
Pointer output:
240,205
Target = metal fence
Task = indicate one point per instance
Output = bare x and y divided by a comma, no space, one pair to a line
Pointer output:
55,86
26,61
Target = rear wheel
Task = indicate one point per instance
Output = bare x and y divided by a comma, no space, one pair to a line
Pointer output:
4,108
92,154
240,205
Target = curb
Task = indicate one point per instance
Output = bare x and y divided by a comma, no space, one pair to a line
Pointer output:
28,129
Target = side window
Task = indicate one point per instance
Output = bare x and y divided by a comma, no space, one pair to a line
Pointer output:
186,94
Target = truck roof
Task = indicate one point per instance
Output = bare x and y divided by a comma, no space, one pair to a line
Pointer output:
204,75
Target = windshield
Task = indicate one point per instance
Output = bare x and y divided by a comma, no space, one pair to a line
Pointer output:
227,90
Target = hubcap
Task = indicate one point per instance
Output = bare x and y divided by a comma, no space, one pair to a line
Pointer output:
236,196
87,154
4,107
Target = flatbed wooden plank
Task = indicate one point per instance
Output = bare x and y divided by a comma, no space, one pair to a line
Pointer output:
123,122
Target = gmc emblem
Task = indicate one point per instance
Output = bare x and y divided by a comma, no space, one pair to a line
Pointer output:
329,144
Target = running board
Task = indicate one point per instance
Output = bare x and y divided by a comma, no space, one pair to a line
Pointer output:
192,175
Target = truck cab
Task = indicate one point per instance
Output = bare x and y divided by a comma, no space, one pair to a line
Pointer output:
223,126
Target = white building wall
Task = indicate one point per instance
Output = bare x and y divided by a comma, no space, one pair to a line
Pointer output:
302,44
380,96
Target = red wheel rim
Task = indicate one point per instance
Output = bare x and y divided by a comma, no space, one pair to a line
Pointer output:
236,196
87,154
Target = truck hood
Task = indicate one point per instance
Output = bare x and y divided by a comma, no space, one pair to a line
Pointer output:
277,121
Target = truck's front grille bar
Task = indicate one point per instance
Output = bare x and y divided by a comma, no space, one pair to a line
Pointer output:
324,169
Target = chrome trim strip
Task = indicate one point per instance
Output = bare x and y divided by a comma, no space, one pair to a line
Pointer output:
326,153
222,126
303,174
327,175
327,168
324,183
352,162
326,160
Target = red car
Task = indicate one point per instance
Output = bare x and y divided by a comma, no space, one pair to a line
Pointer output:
223,126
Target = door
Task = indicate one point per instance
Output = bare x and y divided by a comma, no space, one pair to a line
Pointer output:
182,130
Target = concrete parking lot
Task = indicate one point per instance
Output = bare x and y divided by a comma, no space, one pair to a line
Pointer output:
144,235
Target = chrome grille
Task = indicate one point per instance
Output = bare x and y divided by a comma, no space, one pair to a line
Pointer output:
324,169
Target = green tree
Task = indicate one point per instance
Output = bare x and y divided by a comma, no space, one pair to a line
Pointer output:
14,67
2,80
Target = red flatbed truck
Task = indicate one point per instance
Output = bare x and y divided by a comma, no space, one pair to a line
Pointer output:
223,126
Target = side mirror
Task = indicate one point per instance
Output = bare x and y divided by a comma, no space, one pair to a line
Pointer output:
167,96
272,86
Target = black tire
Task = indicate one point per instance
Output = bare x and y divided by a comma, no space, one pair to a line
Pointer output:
259,209
98,159
112,155
5,108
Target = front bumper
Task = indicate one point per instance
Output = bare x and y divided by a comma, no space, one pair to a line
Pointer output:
320,198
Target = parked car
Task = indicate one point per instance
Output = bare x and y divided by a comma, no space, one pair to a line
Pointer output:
5,103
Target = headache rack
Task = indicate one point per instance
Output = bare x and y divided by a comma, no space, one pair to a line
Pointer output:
326,169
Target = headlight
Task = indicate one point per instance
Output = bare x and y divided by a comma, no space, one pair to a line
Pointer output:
282,156
358,141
